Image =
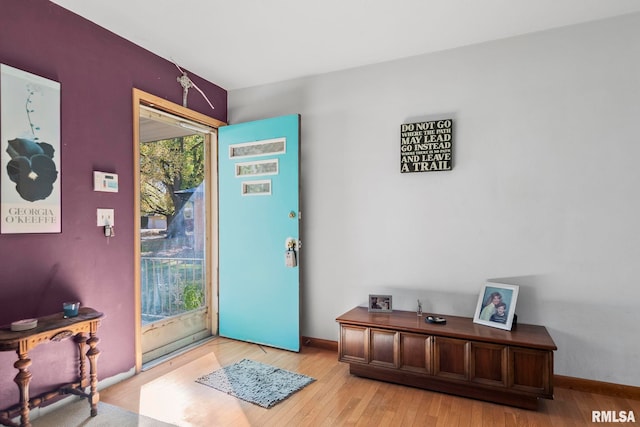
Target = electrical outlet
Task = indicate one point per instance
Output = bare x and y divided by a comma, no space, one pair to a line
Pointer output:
106,217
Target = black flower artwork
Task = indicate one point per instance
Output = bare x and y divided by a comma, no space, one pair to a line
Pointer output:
32,168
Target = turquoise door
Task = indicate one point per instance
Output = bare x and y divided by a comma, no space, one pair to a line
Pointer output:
258,168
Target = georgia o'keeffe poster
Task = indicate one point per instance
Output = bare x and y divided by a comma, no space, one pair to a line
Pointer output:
30,152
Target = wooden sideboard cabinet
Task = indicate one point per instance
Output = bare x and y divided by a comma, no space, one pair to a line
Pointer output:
460,357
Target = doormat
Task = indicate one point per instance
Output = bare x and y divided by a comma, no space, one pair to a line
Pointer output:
255,382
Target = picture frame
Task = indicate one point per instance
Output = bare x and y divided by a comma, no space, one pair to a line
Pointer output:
496,305
30,195
380,303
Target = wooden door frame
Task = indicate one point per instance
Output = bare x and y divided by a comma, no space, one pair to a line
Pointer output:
144,98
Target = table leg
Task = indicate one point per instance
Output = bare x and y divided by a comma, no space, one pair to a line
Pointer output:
92,355
22,379
80,339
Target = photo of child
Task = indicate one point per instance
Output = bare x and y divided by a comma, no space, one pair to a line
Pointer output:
496,305
500,315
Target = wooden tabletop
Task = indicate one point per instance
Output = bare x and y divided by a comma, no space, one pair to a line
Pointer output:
9,340
532,336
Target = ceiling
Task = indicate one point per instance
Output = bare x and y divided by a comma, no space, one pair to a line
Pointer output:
242,43
156,125
153,130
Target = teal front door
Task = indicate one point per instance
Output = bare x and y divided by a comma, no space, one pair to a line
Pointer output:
258,169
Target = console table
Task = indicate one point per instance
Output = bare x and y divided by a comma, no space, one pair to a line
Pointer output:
53,328
460,357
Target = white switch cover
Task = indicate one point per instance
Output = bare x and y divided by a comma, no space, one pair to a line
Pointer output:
106,217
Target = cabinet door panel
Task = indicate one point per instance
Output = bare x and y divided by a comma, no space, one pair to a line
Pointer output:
354,343
531,370
451,358
489,364
384,348
415,353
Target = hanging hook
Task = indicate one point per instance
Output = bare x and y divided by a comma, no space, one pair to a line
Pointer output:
187,84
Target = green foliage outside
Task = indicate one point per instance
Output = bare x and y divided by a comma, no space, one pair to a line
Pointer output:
168,166
192,296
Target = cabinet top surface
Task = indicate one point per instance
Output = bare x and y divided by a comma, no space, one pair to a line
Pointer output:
9,338
523,335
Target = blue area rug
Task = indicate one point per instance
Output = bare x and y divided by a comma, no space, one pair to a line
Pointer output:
255,382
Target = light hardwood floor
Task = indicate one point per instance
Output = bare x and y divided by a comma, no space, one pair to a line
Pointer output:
168,392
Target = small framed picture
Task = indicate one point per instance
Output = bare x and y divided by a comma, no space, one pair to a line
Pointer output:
380,303
496,305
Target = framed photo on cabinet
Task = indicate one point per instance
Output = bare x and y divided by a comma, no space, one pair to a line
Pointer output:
380,303
496,305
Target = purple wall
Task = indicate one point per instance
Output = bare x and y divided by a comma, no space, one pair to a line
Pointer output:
97,71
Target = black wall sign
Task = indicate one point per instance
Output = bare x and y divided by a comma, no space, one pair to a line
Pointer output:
426,146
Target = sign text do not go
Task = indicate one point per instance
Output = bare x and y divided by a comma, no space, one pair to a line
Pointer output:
426,146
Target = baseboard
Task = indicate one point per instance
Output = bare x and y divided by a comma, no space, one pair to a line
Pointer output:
108,382
597,387
320,343
561,381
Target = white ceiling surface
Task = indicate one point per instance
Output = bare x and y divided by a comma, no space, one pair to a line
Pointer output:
243,43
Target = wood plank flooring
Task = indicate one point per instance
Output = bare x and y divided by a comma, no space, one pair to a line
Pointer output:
168,392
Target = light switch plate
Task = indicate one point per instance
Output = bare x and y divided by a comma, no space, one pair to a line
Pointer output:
106,217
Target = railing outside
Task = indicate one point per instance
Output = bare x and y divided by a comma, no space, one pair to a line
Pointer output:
171,286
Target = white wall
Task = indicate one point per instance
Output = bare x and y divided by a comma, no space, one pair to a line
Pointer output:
544,192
